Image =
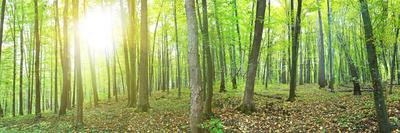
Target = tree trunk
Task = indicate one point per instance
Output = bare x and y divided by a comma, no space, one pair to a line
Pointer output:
66,65
330,52
379,98
177,53
395,51
79,116
221,48
321,51
37,62
241,57
352,66
14,60
143,104
295,51
3,10
196,102
248,103
21,68
57,38
132,51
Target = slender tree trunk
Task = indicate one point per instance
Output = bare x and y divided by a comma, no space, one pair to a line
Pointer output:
132,51
21,68
66,64
177,53
3,10
241,57
395,51
37,62
379,98
295,51
248,103
143,103
321,51
79,116
196,102
352,66
14,60
210,67
330,52
56,48
221,49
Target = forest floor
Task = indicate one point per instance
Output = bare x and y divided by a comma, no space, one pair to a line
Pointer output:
315,110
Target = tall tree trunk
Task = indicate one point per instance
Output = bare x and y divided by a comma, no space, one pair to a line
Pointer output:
79,109
57,38
221,49
295,51
37,62
395,51
14,60
379,98
321,52
196,102
132,51
126,55
241,57
352,66
248,103
143,103
21,68
330,52
92,61
210,67
3,10
177,53
66,64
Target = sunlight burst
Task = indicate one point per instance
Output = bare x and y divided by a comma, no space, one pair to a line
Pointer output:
96,30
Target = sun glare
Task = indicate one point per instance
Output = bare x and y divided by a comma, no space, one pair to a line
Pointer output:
96,30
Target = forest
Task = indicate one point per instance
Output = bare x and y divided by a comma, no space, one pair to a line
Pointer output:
199,66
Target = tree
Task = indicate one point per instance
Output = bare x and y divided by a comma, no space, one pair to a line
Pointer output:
21,68
330,52
321,52
132,52
56,48
15,58
352,66
196,102
178,63
210,67
78,74
379,98
3,10
248,103
143,103
66,64
221,49
395,51
37,62
295,51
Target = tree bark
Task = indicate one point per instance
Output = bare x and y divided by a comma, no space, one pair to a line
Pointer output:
295,52
66,64
132,51
321,51
352,66
248,103
3,10
379,98
196,102
330,52
143,104
37,62
79,116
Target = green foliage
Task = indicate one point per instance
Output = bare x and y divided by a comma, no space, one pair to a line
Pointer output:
214,125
